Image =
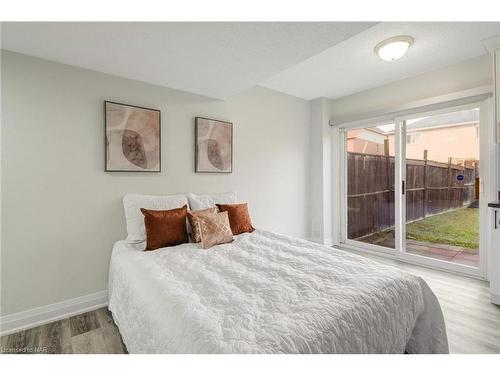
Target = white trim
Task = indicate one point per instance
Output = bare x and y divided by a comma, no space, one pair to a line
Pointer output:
50,313
404,257
496,94
441,111
350,246
336,139
492,43
342,184
376,249
328,241
488,178
399,179
443,265
460,269
444,101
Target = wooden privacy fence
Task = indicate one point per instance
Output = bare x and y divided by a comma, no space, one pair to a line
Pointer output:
431,188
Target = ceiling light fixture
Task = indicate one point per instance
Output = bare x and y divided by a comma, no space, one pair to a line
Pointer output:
393,48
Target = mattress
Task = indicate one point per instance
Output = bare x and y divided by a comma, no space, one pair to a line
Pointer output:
269,293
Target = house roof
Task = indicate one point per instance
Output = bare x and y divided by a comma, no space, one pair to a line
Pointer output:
468,116
446,119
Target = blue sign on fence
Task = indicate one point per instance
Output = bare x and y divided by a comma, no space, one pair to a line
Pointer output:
460,177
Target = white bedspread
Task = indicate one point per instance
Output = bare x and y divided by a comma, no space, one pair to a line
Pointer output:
268,293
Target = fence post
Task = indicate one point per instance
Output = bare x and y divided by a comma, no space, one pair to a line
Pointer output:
426,196
476,182
463,190
388,175
449,184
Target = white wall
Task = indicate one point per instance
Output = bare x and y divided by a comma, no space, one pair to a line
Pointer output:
61,213
465,75
497,108
321,173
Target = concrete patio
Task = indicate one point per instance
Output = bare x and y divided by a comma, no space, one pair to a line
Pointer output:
453,254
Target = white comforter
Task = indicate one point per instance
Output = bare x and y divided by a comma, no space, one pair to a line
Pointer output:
268,293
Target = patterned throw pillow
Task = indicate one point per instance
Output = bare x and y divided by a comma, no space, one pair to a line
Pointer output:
215,229
195,223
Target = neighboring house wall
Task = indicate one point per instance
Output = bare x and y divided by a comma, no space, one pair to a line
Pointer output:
365,141
457,142
364,147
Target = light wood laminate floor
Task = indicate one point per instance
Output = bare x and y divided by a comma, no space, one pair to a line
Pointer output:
473,323
91,332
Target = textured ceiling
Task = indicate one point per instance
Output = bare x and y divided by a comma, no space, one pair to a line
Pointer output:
212,59
304,59
352,65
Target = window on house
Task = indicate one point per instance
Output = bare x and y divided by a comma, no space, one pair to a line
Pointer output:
413,139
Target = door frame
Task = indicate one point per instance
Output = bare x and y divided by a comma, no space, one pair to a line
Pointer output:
487,181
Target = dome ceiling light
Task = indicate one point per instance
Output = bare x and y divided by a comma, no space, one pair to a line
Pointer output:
393,48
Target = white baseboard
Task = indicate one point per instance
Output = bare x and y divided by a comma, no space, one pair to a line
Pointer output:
45,314
327,241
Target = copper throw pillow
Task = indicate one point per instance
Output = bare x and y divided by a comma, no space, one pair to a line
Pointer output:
195,223
165,228
215,229
238,217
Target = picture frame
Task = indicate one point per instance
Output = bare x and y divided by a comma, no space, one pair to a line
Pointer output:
213,146
132,138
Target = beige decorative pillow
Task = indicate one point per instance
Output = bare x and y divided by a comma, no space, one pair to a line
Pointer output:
195,223
215,229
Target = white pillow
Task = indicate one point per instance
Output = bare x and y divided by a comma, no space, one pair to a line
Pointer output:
202,201
135,219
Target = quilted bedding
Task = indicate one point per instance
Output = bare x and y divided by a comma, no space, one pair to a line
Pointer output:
268,293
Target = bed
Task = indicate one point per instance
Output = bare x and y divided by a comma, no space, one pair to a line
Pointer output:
269,293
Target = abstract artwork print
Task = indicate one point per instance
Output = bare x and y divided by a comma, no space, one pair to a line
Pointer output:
132,138
214,146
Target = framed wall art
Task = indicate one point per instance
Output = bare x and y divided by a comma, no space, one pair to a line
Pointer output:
213,146
133,142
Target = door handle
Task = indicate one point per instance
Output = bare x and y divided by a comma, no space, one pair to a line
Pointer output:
403,187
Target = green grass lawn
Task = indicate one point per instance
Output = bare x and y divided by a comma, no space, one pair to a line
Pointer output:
459,228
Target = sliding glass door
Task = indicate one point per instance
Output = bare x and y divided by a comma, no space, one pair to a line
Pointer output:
369,155
442,159
412,188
